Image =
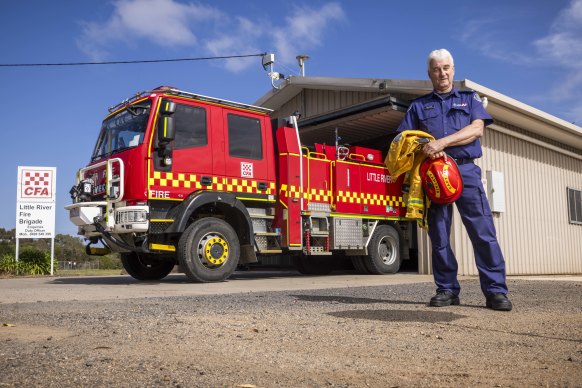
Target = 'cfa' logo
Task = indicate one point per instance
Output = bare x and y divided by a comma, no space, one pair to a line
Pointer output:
246,170
36,184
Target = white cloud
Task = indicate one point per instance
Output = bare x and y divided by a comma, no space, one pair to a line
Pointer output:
483,35
170,23
163,22
305,29
563,47
560,49
241,41
564,43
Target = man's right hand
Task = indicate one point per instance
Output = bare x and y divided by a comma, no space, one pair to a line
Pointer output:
433,149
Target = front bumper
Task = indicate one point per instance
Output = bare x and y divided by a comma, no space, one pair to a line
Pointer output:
125,219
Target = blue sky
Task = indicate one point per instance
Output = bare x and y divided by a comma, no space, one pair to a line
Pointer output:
528,50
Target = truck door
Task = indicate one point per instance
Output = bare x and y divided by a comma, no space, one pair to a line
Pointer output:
191,159
247,163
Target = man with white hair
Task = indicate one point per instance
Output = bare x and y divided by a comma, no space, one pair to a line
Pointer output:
457,119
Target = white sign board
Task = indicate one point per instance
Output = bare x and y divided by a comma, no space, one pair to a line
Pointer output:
36,202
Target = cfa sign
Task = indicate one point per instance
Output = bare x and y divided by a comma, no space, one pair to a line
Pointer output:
36,202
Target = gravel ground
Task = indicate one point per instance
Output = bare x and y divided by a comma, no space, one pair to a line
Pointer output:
349,337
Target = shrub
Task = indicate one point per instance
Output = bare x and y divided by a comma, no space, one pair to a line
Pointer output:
110,261
8,264
32,261
6,248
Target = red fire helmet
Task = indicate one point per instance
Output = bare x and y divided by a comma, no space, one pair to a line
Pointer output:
441,179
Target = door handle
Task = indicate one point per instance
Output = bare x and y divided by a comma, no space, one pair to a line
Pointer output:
206,181
262,186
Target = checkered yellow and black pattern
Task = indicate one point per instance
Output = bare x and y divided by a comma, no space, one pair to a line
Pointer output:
369,199
343,196
192,181
291,192
319,195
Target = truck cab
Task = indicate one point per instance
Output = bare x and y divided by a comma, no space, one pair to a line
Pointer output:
165,152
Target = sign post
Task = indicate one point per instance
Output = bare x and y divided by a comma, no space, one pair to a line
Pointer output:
36,204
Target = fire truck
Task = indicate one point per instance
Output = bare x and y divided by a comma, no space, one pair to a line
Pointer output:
178,178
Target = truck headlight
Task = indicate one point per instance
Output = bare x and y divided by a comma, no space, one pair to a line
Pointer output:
129,219
131,216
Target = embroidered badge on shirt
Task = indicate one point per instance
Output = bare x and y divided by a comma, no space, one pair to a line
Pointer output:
462,105
427,107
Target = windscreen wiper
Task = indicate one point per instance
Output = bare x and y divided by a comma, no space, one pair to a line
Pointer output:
132,109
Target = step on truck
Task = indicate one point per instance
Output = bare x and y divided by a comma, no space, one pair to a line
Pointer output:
178,178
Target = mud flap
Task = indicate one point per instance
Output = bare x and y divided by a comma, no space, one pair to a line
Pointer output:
247,255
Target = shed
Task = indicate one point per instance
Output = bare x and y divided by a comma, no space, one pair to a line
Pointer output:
532,163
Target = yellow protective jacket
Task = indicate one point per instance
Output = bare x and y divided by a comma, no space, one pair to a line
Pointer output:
405,156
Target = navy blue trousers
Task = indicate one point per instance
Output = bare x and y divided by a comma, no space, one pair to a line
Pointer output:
476,216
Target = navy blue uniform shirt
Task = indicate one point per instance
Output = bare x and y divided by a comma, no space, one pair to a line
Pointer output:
443,116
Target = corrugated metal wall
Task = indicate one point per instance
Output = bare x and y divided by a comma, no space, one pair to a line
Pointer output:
534,232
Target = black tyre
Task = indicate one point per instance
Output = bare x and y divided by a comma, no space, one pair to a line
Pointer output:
142,266
359,265
313,265
209,250
383,251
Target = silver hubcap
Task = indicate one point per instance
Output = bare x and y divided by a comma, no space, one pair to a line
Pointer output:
387,250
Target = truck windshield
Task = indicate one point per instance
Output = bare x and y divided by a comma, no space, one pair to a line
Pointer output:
122,131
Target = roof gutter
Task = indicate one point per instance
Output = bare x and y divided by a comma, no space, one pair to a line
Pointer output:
522,108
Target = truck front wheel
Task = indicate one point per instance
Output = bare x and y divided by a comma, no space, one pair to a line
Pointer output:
209,250
143,266
383,251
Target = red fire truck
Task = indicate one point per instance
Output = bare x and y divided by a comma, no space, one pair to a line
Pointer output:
178,178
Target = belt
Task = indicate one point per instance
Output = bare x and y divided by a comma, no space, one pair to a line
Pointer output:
463,161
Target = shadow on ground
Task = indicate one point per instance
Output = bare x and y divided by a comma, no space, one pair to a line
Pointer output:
399,315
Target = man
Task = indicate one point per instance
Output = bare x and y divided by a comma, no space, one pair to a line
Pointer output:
457,120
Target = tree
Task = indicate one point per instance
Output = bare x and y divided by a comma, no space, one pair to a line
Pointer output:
67,248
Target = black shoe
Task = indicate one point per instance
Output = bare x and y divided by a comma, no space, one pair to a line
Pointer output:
499,301
444,298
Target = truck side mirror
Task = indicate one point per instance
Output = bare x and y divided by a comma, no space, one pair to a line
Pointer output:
166,126
168,107
166,129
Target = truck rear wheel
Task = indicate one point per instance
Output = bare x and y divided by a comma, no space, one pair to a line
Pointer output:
209,250
142,266
383,251
313,265
359,265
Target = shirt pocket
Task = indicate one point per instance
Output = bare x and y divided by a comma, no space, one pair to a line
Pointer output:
460,117
429,120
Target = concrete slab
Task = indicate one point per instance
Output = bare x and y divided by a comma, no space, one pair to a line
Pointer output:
45,289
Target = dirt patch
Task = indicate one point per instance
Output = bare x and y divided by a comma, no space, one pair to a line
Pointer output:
350,337
27,333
